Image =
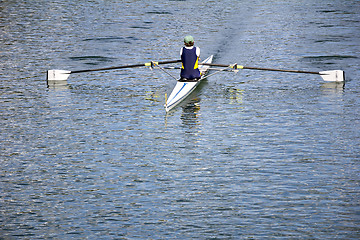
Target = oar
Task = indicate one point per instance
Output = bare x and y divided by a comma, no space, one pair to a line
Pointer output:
62,75
332,75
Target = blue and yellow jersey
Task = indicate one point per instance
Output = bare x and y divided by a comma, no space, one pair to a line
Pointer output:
190,61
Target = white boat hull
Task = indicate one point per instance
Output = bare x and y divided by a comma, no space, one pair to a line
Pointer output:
184,89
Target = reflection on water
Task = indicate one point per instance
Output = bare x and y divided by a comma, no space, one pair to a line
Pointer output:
235,95
190,113
335,87
57,84
152,96
191,124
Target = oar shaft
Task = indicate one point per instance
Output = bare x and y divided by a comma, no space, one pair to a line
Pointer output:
108,68
125,66
257,68
279,70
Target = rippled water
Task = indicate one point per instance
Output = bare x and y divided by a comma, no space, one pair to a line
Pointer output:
252,155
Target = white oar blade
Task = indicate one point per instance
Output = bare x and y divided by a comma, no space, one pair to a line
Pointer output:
58,75
333,75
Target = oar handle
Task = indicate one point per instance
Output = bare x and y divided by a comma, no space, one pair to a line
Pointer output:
126,66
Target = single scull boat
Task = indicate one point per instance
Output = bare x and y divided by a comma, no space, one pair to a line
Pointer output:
183,89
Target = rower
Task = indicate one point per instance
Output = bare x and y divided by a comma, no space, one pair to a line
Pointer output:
189,57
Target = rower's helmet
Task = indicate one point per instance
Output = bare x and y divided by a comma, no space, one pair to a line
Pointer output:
188,39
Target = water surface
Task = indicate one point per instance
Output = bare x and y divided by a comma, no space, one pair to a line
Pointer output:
251,155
